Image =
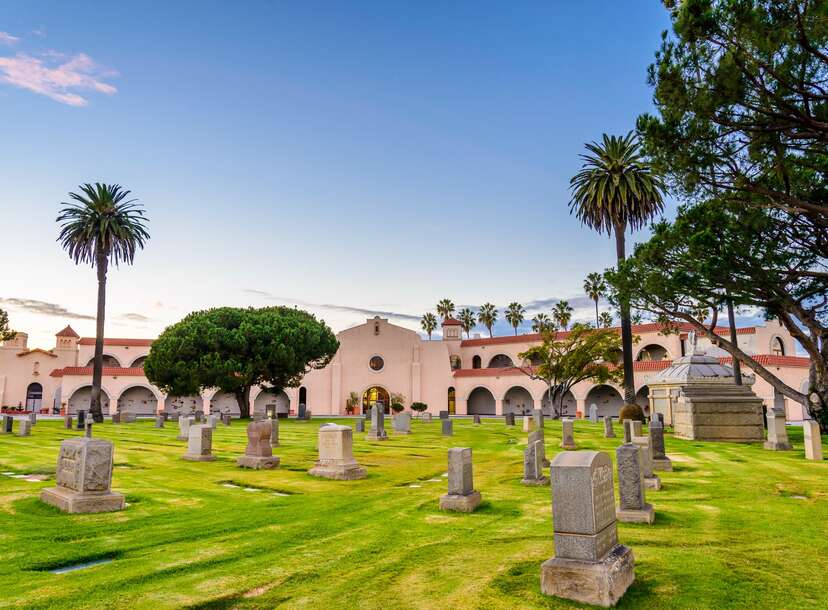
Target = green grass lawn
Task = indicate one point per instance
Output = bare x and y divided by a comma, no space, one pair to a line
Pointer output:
736,526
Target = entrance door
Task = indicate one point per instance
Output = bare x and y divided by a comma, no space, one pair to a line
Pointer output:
372,395
34,397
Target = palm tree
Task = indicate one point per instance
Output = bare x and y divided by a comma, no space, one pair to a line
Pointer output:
542,323
445,308
616,190
100,228
595,287
468,319
514,315
562,314
429,323
487,316
605,319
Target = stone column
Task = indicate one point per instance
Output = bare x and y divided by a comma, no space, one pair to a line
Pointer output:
258,454
461,495
336,456
589,566
813,440
567,434
777,433
660,459
608,430
199,444
498,406
632,507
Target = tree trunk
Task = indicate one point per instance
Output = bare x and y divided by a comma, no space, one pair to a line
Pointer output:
597,320
243,400
102,262
626,325
734,339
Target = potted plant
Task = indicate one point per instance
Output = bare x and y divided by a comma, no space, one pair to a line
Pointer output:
351,403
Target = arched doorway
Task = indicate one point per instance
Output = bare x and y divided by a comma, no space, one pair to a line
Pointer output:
476,362
34,397
481,402
110,362
303,396
517,400
569,408
452,401
501,361
642,399
138,400
81,399
606,398
374,394
777,347
138,362
653,351
269,398
183,405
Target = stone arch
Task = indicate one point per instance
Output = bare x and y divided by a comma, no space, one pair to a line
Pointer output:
374,393
80,399
481,401
642,399
224,402
138,362
518,400
476,362
183,405
570,405
451,400
607,398
777,346
139,399
500,361
266,398
109,361
654,352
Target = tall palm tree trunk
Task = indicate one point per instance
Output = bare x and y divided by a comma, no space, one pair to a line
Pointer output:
731,318
97,365
626,325
597,319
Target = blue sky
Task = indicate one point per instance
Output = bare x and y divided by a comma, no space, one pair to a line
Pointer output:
347,157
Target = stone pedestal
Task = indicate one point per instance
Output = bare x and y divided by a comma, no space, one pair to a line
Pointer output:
777,433
84,477
336,458
568,434
448,427
401,424
589,566
632,507
377,431
199,444
461,496
813,440
258,454
660,460
533,457
609,432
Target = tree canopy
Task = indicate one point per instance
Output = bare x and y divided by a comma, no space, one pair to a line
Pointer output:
234,349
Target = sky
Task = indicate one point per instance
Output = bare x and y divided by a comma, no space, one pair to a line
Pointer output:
351,158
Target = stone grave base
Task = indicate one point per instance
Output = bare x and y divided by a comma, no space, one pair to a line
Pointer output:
348,472
73,502
776,446
541,482
569,447
652,483
664,465
458,503
600,583
181,438
375,437
257,463
402,431
198,458
645,515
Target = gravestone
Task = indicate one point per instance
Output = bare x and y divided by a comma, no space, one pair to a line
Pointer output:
199,444
476,420
593,413
302,413
258,454
67,422
510,419
116,417
81,419
159,421
401,424
84,478
198,417
632,507
660,459
535,436
212,421
336,456
568,434
226,419
636,428
651,479
128,418
537,418
184,424
777,433
33,418
461,496
444,414
87,428
608,430
360,425
258,416
628,430
589,566
527,423
813,440
448,427
377,431
533,457
660,417
25,428
427,418
8,424
274,432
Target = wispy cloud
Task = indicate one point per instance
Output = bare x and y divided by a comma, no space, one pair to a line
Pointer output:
57,77
8,39
43,308
391,315
134,317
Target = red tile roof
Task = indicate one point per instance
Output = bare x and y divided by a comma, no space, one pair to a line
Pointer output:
108,371
774,360
118,342
451,322
68,332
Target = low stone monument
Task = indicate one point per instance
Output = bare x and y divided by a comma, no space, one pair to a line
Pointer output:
336,457
8,424
510,419
660,459
258,454
84,478
632,507
226,419
360,425
274,432
444,414
813,440
129,418
427,418
651,479
461,496
159,421
589,566
537,417
212,421
184,424
608,430
199,444
448,427
476,420
25,428
593,413
116,417
533,457
377,431
67,422
401,424
777,433
568,434
81,419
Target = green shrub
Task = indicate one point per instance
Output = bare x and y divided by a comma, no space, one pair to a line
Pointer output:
396,407
633,412
419,406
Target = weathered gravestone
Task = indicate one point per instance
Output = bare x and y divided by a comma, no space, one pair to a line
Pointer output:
81,419
476,420
535,436
360,425
637,429
660,459
593,413
527,423
448,427
568,434
632,507
33,418
116,417
258,453
401,424
510,419
274,432
184,424
226,419
813,440
377,431
212,421
537,417
128,418
461,496
444,414
25,428
67,422
608,430
159,421
427,418
533,457
199,417
8,424
628,430
199,444
589,566
777,433
302,413
336,456
651,480
84,478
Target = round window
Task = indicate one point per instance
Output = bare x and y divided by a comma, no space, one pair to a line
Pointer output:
376,363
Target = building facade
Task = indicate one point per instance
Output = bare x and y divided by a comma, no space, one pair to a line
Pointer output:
375,360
